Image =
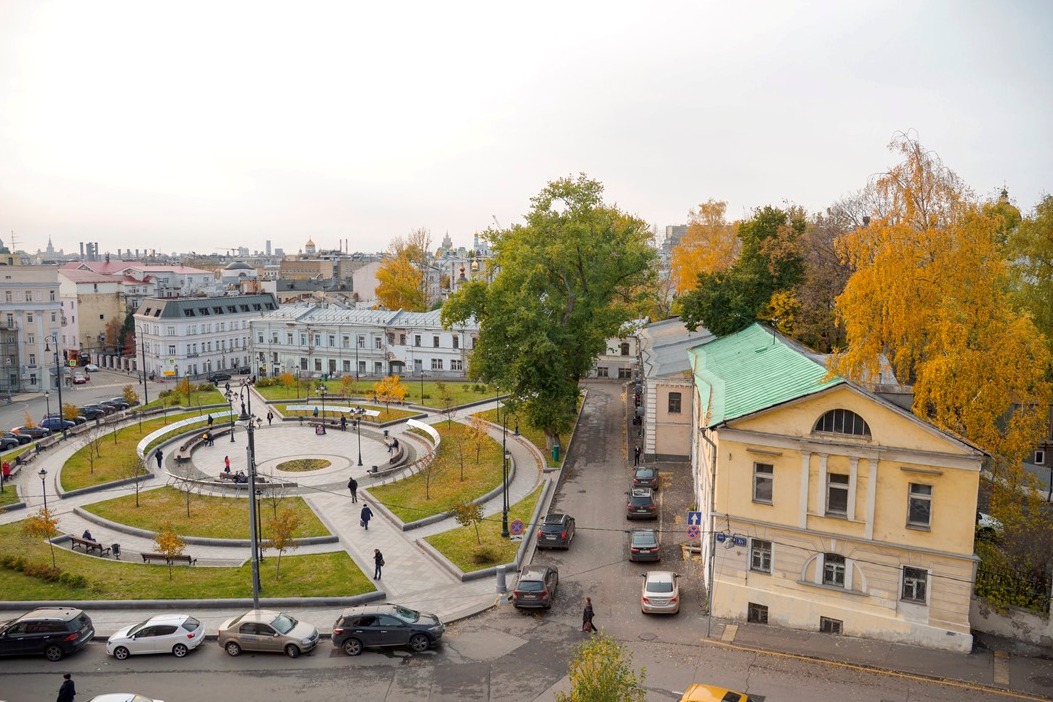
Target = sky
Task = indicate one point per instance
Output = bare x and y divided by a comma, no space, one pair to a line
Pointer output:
202,126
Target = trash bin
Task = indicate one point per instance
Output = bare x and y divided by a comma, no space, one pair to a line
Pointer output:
115,549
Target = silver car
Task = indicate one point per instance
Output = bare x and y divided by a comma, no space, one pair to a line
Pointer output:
661,592
268,631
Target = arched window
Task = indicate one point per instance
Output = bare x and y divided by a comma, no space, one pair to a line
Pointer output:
842,421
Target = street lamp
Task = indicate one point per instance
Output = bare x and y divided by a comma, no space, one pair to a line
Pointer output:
58,381
322,390
246,417
47,402
230,401
44,489
422,385
358,427
504,471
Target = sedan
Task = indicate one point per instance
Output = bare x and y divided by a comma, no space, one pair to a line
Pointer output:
646,478
119,402
661,592
35,432
536,587
80,379
177,634
269,631
386,625
93,411
644,545
20,438
91,368
122,697
557,531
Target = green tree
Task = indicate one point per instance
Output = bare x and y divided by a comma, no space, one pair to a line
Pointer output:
1030,250
601,671
469,513
565,282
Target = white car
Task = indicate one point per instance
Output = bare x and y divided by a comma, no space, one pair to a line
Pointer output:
177,634
122,697
91,368
988,527
661,592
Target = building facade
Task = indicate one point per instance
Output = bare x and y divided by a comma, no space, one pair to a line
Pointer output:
32,329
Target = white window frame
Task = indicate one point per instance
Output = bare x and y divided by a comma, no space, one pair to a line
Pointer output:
837,483
760,556
918,494
763,474
914,585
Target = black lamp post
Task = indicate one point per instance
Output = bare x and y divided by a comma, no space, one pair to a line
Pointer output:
422,385
230,401
504,471
58,382
322,390
246,417
358,426
47,402
44,489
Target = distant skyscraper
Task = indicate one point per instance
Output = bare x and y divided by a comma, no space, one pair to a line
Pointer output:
268,247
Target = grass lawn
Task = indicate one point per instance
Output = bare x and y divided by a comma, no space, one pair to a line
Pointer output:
460,392
532,434
413,498
214,517
327,574
198,398
9,496
464,549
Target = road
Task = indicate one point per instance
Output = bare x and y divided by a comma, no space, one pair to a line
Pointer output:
103,384
505,655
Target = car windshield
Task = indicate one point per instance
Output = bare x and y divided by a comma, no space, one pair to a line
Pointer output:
643,538
531,586
659,587
645,500
137,628
283,623
406,614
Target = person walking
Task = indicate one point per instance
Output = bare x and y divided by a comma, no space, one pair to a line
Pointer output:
68,690
226,464
210,421
636,456
586,617
343,423
5,475
352,485
270,417
365,515
378,560
159,456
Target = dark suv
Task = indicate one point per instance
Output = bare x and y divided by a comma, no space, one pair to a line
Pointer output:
217,378
53,631
536,587
645,478
557,531
641,504
386,625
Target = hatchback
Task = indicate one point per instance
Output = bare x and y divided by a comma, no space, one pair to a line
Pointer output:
536,587
644,545
557,531
641,504
646,478
56,424
54,631
19,438
710,693
91,368
7,444
386,625
79,379
119,402
267,630
177,634
661,592
35,432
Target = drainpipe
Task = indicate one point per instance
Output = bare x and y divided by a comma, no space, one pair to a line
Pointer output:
712,525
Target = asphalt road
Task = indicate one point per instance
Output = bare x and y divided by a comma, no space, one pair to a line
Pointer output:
103,384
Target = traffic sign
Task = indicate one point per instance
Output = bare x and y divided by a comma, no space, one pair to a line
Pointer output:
515,537
694,531
516,527
694,518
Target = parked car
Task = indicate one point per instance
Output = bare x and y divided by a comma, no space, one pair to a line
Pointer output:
120,402
557,531
641,504
56,424
536,587
35,432
20,438
110,407
661,592
177,634
988,527
644,545
386,625
645,478
55,632
217,378
710,693
267,630
91,368
79,419
7,444
80,378
92,411
122,697
244,370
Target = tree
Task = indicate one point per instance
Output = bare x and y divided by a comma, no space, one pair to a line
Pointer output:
347,383
601,671
402,277
288,381
185,388
130,395
70,411
445,401
134,467
566,282
389,389
469,513
438,464
169,545
93,442
711,244
42,525
477,436
1031,253
282,527
112,332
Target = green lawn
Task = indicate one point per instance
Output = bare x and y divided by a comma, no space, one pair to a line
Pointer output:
213,517
459,392
208,395
530,433
463,547
436,489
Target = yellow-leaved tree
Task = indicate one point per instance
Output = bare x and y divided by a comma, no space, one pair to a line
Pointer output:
389,389
402,275
710,244
282,528
169,544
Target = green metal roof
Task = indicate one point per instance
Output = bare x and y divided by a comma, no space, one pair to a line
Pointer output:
752,370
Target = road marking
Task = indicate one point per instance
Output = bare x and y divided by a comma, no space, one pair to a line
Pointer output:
1001,668
728,636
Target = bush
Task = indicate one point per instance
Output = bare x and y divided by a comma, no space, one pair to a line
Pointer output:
485,555
77,582
42,571
11,562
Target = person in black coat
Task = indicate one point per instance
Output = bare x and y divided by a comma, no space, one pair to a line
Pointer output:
586,617
378,561
366,514
352,485
68,691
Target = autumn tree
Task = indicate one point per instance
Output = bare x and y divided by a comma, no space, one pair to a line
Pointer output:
130,395
42,525
288,381
168,544
477,436
601,671
403,274
434,466
468,513
390,389
70,411
710,244
131,466
282,528
112,332
93,442
566,282
445,401
1030,250
347,383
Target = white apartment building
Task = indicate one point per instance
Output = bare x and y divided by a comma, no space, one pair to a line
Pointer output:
326,339
32,329
197,336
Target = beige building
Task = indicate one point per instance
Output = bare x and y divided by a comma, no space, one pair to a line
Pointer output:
827,508
33,336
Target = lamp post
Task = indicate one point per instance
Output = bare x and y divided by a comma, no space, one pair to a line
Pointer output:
504,471
358,427
422,385
322,390
356,357
47,402
58,381
246,417
44,489
230,401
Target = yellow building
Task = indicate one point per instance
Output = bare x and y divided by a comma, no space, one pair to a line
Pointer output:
829,509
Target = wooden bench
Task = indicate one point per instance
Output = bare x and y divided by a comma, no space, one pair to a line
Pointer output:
232,477
160,557
88,546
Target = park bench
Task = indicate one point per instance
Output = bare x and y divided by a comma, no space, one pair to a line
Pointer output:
232,477
160,557
89,546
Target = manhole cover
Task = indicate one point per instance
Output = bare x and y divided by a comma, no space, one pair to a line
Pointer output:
647,636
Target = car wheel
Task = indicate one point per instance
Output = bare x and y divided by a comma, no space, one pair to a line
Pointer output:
233,648
419,643
292,651
120,653
180,650
54,652
352,647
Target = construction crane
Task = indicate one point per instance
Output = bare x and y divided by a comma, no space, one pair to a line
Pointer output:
229,249
494,217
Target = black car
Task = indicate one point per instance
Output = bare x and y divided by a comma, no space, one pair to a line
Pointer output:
35,432
644,545
217,378
79,419
119,403
386,625
646,478
110,406
536,587
7,444
556,531
53,631
20,438
641,504
92,411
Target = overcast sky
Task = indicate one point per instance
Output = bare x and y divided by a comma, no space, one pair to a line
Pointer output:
198,126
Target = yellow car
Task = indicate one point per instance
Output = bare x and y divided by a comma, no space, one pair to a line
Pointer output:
709,693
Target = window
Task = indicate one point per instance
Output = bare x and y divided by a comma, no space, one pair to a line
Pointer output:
416,339
29,295
53,317
29,317
674,403
625,348
32,359
456,364
318,364
760,555
361,341
625,373
32,339
601,372
837,494
378,343
332,341
7,296
842,421
763,482
915,581
303,363
347,365
171,349
435,342
436,364
51,295
833,569
456,341
756,613
347,342
1040,456
402,339
919,507
830,626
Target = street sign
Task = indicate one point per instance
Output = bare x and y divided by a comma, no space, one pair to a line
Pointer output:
515,537
516,527
694,531
694,518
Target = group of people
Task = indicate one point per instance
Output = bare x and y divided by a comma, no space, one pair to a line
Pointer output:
364,515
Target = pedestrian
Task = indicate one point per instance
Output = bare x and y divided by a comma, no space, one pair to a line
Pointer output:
316,412
352,485
159,456
208,439
343,423
87,536
378,560
68,691
270,417
226,464
391,445
5,475
366,514
586,617
636,456
210,421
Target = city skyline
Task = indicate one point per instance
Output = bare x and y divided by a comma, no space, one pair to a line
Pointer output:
143,126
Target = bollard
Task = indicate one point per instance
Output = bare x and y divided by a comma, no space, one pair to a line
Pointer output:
502,588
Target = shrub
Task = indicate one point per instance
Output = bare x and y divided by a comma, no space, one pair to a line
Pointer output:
12,562
42,571
75,581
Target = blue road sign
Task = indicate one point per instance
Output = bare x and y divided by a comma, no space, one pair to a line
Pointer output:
516,527
694,518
